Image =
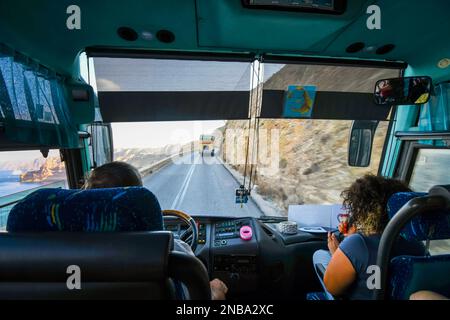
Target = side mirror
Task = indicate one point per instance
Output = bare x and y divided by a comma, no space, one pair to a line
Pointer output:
403,91
360,142
101,145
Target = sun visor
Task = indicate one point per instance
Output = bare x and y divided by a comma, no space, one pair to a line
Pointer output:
171,89
124,106
329,92
327,105
132,89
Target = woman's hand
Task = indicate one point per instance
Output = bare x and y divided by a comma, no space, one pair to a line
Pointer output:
333,243
218,289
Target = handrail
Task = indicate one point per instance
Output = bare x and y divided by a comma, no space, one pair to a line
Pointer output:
25,192
3,205
422,135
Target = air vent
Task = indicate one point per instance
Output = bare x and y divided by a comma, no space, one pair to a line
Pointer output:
165,36
355,47
385,49
127,34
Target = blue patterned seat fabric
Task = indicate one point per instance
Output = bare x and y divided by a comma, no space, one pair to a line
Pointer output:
412,274
419,227
96,210
409,274
322,296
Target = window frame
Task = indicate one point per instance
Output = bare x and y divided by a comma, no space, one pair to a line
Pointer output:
409,157
67,181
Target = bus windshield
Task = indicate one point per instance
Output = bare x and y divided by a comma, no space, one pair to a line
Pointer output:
201,178
196,166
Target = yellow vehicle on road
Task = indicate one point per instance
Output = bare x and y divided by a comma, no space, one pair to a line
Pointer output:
207,144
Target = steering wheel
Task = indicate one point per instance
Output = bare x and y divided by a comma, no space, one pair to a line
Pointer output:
190,236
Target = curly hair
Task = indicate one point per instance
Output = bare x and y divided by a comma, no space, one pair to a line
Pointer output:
366,201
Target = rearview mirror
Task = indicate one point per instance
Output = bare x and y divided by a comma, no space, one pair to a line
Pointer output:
360,142
403,91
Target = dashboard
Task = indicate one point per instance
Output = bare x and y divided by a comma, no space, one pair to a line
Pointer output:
255,265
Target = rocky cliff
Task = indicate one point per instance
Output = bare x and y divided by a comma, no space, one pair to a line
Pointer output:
44,169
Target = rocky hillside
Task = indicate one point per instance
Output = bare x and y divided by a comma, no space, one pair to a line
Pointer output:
312,154
328,78
141,158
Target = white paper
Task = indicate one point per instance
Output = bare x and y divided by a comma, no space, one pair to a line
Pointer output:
311,215
313,229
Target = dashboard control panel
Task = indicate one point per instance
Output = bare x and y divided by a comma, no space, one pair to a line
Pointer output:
201,233
229,229
242,264
179,228
228,248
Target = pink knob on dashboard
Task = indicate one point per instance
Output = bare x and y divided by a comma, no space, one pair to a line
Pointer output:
246,233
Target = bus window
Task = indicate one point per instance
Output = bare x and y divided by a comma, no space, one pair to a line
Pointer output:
430,169
22,172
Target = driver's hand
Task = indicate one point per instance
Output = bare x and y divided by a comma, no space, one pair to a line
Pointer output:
218,289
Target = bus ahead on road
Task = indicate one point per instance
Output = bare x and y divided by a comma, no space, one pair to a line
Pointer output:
207,144
247,150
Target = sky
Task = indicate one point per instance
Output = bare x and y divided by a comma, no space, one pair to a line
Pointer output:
160,134
20,156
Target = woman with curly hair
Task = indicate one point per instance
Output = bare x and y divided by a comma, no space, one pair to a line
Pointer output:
366,200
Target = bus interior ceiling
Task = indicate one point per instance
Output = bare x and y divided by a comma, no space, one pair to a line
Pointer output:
38,30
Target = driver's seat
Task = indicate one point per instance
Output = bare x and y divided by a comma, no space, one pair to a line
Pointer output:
109,234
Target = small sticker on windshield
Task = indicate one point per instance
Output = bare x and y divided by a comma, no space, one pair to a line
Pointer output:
299,101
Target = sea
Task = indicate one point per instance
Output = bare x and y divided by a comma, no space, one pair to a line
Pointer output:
10,184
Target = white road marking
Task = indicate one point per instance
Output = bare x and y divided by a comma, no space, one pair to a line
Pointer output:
186,186
181,194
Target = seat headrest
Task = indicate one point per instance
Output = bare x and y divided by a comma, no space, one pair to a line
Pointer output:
433,226
116,257
96,210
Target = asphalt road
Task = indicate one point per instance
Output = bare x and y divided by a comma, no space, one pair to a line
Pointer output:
198,187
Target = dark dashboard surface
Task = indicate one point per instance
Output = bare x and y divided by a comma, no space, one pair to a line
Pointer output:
269,263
